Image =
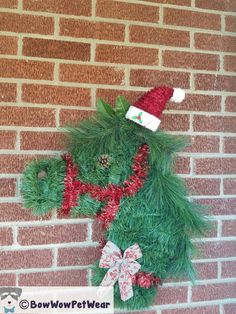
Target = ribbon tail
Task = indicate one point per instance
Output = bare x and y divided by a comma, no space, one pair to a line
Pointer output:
125,285
109,280
111,277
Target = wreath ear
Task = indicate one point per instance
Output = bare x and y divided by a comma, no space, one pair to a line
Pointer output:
104,108
122,106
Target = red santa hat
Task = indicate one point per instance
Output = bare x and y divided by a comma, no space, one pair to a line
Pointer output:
148,109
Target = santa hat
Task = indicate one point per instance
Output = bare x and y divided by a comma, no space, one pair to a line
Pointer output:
148,109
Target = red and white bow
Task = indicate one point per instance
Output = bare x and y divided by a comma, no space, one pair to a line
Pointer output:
120,268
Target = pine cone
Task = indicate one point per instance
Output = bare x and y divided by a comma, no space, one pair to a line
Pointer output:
104,161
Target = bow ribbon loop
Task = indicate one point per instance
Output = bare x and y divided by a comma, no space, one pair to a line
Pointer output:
121,269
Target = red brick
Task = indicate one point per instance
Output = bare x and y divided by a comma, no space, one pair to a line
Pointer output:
25,259
215,165
8,187
159,36
7,279
68,278
228,269
230,103
217,249
73,117
194,310
214,123
192,19
44,48
171,295
203,186
219,206
110,95
182,165
175,2
8,45
220,5
215,82
189,60
230,23
229,308
6,237
78,256
42,140
230,145
206,270
204,144
26,69
56,95
74,7
11,4
229,186
127,11
15,163
91,74
15,212
213,291
7,92
215,42
91,29
52,234
229,228
139,77
26,116
230,63
7,139
175,122
198,103
23,23
97,231
127,55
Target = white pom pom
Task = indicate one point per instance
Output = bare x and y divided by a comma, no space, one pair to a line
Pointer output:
178,95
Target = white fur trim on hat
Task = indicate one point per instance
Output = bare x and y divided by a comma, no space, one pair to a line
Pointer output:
178,95
143,118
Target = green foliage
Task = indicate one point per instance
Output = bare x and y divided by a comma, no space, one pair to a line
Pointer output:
86,206
160,217
122,106
42,194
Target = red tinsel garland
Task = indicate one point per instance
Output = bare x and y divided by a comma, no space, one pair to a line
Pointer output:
112,194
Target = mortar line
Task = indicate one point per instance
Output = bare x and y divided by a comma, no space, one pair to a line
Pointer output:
189,294
219,270
56,25
127,34
93,9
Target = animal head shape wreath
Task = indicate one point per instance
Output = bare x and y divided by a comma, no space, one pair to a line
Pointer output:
119,169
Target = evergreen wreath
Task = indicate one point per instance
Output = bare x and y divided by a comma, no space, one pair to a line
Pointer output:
122,173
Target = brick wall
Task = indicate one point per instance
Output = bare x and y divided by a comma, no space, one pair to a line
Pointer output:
57,57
